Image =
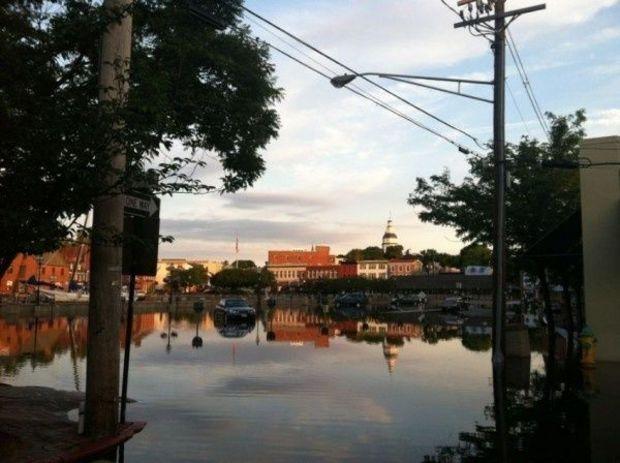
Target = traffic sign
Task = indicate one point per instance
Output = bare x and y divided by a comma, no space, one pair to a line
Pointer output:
140,205
141,234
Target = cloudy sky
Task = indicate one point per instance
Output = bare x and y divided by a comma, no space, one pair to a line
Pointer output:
342,165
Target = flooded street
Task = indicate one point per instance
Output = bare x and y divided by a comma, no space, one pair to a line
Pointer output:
296,386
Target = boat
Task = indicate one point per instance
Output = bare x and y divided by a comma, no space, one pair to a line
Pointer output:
56,295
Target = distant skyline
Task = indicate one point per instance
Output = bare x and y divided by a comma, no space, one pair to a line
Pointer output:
341,164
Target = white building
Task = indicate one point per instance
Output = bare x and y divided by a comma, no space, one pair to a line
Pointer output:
287,274
389,237
373,269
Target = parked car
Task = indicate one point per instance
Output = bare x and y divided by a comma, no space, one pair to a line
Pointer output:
408,302
235,307
351,300
454,304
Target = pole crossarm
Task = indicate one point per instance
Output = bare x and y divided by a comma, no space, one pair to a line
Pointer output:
445,90
484,19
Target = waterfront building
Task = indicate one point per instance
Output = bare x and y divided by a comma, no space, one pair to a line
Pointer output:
318,255
389,237
165,265
51,269
347,270
373,269
404,267
321,272
289,267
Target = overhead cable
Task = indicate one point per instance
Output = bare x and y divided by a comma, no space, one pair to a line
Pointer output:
395,95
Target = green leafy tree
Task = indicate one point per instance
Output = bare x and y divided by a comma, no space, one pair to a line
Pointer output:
373,253
192,90
196,275
537,198
394,252
244,264
355,255
234,279
429,258
475,254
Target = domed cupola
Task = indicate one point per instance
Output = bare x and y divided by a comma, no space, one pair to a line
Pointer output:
389,237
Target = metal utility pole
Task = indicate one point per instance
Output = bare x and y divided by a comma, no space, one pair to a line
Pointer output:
499,155
104,311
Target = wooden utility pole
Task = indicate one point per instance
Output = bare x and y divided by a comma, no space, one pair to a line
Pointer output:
499,155
104,310
477,18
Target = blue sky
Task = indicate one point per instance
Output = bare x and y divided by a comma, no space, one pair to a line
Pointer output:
342,165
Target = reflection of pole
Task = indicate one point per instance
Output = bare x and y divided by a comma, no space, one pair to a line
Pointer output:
39,262
128,329
499,396
76,377
168,346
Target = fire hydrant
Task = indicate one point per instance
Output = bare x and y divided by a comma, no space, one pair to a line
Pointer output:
588,342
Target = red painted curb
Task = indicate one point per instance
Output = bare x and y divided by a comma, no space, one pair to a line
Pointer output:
94,448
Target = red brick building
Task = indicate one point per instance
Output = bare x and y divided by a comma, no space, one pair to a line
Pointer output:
321,272
347,270
404,267
319,255
53,269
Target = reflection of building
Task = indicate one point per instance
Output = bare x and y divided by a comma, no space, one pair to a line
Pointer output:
373,269
48,337
389,237
390,352
297,327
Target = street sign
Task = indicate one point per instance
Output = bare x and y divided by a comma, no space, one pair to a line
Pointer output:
140,234
140,205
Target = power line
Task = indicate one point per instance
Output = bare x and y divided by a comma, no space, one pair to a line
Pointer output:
514,100
514,53
380,103
395,95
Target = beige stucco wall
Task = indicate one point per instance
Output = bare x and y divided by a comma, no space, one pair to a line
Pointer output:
600,209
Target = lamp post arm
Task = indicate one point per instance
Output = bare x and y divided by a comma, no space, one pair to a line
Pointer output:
432,87
441,79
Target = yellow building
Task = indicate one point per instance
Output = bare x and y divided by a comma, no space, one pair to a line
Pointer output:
600,212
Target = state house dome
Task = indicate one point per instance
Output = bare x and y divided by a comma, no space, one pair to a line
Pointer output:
389,237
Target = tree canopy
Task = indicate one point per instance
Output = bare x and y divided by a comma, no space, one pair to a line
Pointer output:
245,264
234,279
192,91
537,198
394,252
196,275
475,254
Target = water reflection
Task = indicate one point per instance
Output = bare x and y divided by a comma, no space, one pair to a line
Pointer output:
304,385
533,418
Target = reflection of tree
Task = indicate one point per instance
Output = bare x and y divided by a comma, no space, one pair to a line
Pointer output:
540,424
432,334
477,342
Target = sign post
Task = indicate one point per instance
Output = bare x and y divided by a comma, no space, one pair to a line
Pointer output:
140,245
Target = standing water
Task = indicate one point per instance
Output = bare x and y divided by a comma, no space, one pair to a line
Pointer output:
298,385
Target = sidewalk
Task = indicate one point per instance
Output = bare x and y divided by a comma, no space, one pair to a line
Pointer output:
34,427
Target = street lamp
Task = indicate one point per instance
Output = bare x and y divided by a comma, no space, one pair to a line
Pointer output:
345,79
